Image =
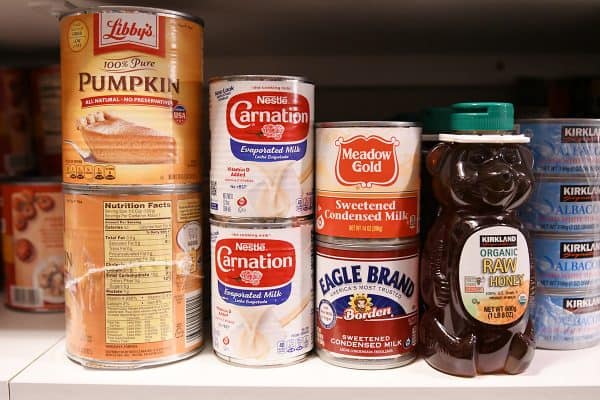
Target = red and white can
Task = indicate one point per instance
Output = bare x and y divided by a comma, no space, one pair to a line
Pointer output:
367,301
262,291
261,146
367,180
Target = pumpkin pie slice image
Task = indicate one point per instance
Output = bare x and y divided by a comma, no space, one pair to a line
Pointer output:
115,140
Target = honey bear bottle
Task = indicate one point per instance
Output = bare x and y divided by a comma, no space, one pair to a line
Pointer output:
477,274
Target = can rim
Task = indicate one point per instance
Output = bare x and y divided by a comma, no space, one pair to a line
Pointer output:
589,292
116,8
558,120
129,190
564,236
367,124
258,223
367,245
565,178
260,77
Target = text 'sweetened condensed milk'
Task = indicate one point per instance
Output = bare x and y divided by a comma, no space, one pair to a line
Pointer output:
562,204
33,245
261,147
567,261
134,276
564,146
132,90
367,304
262,292
367,180
566,320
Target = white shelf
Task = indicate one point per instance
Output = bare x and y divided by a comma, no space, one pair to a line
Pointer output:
23,338
553,375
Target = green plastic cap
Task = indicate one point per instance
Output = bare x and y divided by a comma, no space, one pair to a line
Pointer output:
482,117
436,119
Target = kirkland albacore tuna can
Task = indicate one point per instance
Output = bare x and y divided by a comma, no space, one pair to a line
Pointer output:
261,146
564,146
566,320
560,204
567,261
367,303
367,179
262,291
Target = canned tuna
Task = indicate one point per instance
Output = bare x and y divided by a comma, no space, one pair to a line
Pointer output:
567,320
563,205
564,146
567,262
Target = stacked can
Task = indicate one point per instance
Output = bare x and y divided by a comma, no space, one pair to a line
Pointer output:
131,80
261,204
367,248
564,216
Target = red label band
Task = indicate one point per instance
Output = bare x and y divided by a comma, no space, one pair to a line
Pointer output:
375,338
368,217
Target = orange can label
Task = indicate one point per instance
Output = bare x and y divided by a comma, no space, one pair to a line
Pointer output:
367,180
134,277
131,104
33,246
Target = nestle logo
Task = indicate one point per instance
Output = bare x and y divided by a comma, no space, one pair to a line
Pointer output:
272,100
129,31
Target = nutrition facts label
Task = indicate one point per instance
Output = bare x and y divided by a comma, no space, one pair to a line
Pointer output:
138,258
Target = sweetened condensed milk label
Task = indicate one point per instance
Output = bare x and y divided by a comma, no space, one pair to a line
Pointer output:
370,188
262,293
367,301
261,148
133,276
131,102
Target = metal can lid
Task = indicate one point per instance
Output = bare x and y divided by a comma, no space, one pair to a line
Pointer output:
367,124
367,244
260,77
130,9
564,236
569,292
123,190
260,223
566,178
559,120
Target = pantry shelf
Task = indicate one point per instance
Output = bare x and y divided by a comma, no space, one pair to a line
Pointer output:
23,338
553,375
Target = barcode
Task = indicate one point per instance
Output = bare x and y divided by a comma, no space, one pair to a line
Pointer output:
26,297
193,317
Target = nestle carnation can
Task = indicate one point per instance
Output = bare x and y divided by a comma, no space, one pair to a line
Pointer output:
262,292
566,320
367,304
564,146
567,261
367,179
563,205
261,146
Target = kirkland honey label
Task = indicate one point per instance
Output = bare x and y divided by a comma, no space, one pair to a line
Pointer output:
33,246
134,276
370,188
367,301
131,108
494,275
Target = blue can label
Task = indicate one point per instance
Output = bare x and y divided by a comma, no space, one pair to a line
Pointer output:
567,321
564,148
564,263
556,206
